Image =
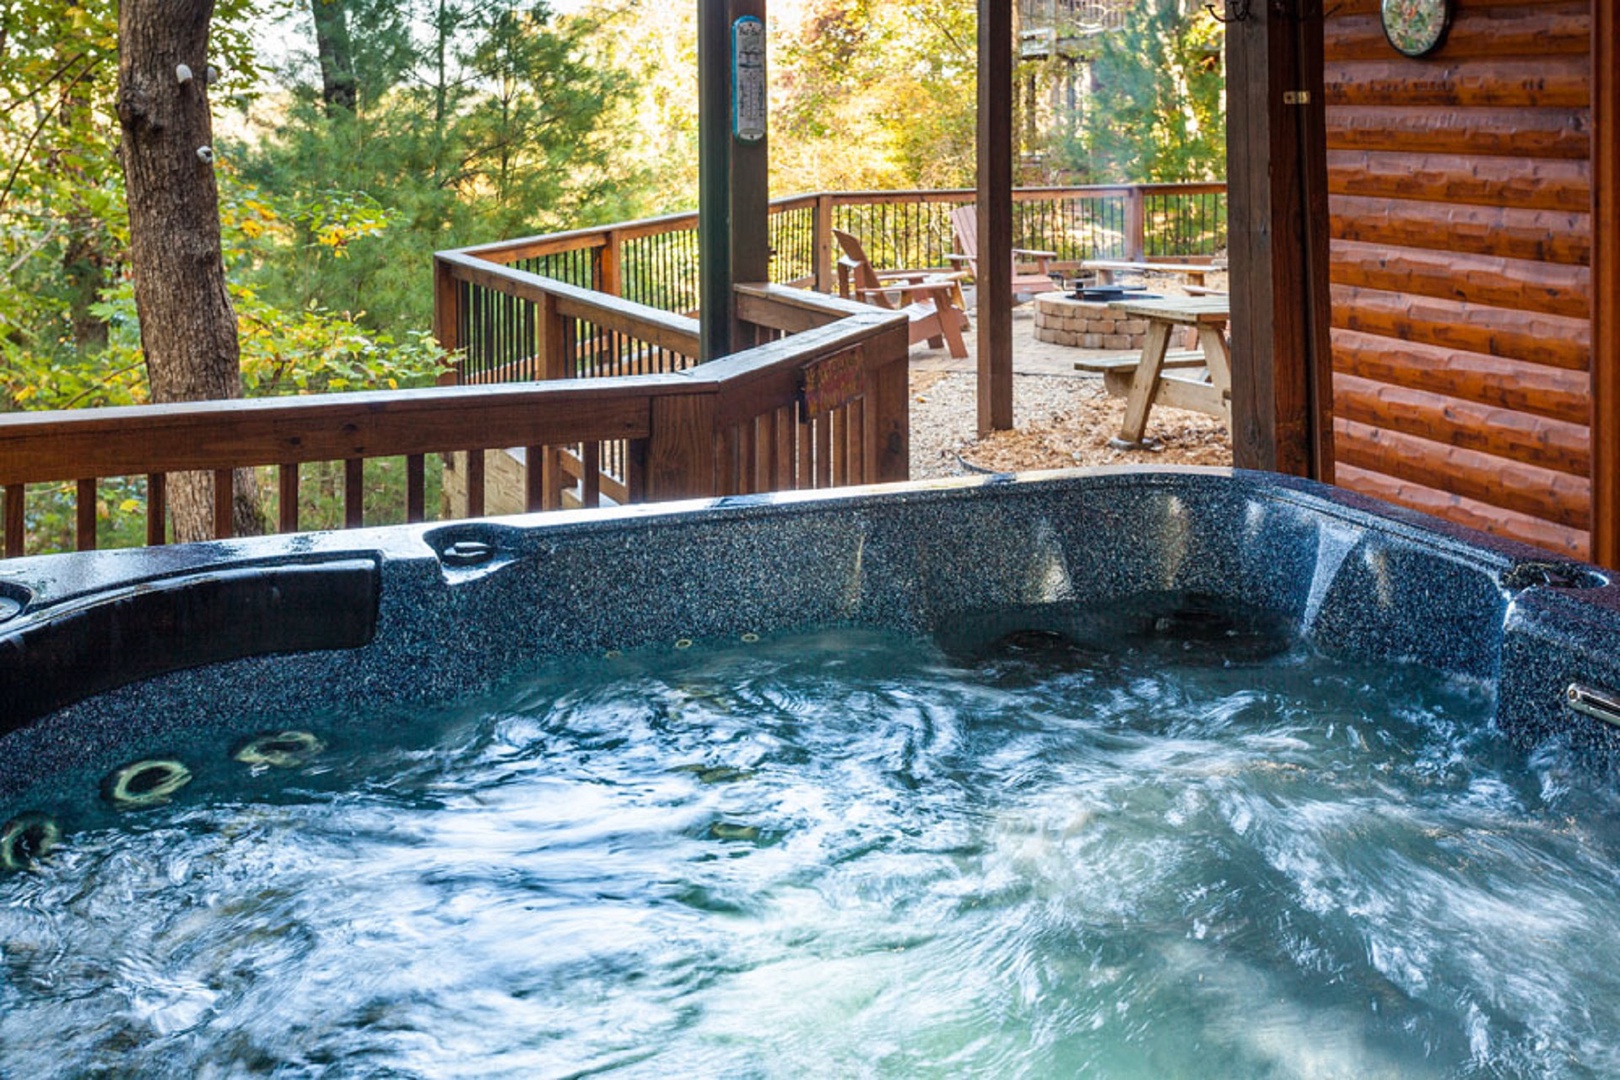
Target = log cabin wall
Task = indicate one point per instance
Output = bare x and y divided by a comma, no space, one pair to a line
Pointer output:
1460,196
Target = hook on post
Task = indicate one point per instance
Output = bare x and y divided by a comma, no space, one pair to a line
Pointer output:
1236,11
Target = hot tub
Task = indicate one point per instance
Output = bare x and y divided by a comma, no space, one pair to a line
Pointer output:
713,741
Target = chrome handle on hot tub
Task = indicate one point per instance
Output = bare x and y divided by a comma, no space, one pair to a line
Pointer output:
1594,703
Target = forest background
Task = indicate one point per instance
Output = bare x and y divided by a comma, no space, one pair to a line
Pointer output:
353,138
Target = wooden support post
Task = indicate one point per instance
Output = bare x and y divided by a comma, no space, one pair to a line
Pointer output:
733,185
14,520
609,268
1277,183
590,484
84,529
749,244
782,432
1135,226
538,480
157,509
556,340
543,479
287,497
995,149
224,498
475,483
888,414
354,492
822,226
715,293
415,488
448,317
1606,283
681,448
635,470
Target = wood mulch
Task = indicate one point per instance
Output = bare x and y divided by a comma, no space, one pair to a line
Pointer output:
1062,417
1059,422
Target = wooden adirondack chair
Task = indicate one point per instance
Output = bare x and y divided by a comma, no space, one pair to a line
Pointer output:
930,300
1026,281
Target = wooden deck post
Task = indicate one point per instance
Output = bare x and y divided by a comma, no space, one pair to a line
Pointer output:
733,185
995,148
1135,225
682,447
822,227
887,417
1606,283
14,520
714,177
609,268
447,316
543,475
1277,200
749,245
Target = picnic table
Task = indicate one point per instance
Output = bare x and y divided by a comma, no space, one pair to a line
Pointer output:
1153,381
1107,269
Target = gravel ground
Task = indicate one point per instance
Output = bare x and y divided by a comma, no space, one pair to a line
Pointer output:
1059,422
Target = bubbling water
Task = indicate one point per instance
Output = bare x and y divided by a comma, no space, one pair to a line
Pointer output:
1174,846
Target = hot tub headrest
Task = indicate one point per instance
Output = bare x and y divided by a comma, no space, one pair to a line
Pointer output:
59,656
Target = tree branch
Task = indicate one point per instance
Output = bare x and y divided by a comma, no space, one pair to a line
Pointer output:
50,234
45,118
43,83
101,384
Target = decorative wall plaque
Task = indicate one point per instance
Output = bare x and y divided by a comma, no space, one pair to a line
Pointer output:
1416,27
833,383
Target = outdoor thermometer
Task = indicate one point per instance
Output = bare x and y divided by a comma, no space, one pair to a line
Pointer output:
748,79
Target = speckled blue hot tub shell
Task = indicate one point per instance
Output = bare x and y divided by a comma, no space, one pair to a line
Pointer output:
1360,578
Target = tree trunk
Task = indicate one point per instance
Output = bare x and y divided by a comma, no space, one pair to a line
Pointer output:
188,327
339,86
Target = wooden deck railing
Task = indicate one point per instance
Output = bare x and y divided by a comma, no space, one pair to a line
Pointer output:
532,308
616,408
821,402
655,261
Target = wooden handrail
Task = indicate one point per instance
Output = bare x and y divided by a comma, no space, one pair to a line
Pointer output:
650,324
782,307
133,440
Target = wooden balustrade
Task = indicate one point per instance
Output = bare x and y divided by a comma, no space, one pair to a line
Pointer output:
654,261
737,425
596,324
543,307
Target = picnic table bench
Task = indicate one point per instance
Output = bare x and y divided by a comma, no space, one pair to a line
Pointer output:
1159,377
1118,371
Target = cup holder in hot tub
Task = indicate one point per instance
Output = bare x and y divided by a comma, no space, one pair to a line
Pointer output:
13,600
1552,575
473,548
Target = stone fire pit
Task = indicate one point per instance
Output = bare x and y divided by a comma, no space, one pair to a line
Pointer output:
1063,320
